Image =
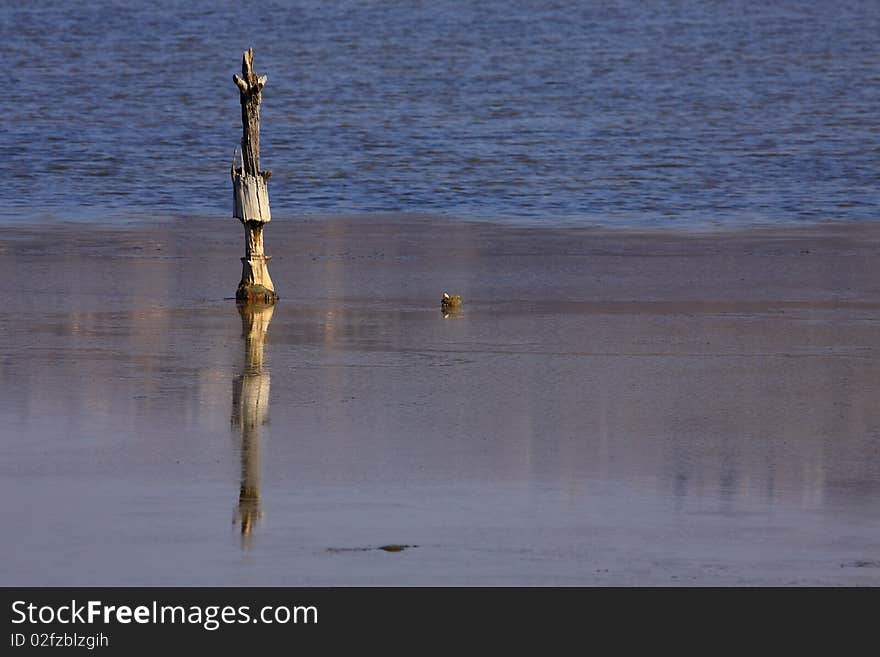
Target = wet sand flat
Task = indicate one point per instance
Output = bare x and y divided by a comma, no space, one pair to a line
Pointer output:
615,407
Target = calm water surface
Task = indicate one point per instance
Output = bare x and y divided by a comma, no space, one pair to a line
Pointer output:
614,112
617,412
605,410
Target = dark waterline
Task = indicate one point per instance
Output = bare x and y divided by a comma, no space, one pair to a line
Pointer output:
608,112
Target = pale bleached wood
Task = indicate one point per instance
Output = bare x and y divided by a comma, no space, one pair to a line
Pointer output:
251,199
250,192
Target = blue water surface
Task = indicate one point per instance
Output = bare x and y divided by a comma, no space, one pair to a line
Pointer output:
685,112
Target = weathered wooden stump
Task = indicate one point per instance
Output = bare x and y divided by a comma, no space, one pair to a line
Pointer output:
250,192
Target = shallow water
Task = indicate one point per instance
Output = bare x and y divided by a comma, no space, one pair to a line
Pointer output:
606,409
613,112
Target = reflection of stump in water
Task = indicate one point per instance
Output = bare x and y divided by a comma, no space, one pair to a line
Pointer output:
250,409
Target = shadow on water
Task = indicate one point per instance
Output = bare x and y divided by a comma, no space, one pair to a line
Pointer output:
250,410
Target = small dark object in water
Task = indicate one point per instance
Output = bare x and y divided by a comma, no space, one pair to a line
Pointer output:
861,563
450,302
395,547
391,547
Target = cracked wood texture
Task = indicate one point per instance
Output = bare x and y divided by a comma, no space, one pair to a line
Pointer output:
250,190
250,86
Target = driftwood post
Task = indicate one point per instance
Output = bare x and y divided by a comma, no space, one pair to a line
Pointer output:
249,190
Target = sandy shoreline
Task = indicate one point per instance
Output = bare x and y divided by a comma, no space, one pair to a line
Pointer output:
611,406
